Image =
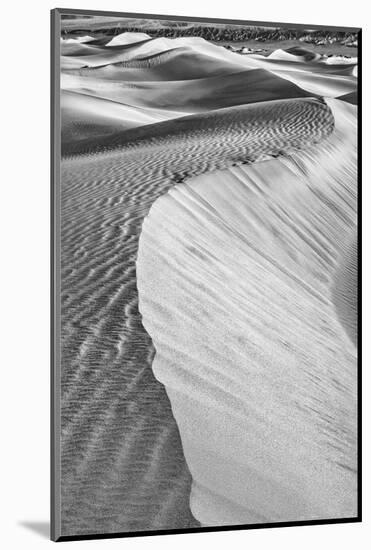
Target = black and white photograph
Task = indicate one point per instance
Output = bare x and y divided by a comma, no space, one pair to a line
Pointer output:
205,366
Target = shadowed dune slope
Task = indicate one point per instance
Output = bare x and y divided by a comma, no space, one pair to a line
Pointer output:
97,53
173,99
319,76
327,85
190,96
123,467
84,116
235,276
352,98
228,124
79,49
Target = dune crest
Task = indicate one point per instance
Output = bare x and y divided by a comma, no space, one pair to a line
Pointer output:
235,272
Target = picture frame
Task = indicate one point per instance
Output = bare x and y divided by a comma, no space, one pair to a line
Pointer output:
89,527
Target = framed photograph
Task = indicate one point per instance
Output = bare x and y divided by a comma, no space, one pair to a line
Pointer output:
205,205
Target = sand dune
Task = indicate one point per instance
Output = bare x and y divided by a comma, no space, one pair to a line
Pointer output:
324,85
122,52
130,51
180,63
78,39
168,78
314,66
128,38
140,118
226,124
80,49
120,443
316,77
84,116
294,54
235,272
310,60
341,60
176,98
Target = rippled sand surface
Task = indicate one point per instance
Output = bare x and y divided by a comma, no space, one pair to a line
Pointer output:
123,465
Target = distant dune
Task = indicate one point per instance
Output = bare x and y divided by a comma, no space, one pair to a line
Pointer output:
101,55
245,179
294,54
128,38
161,79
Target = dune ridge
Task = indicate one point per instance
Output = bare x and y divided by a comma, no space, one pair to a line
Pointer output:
235,272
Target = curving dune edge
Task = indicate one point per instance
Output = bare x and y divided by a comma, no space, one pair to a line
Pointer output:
235,271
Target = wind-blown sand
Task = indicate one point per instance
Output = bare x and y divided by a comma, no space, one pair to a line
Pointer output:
123,467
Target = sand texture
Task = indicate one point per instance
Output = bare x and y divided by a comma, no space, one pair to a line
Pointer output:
243,170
